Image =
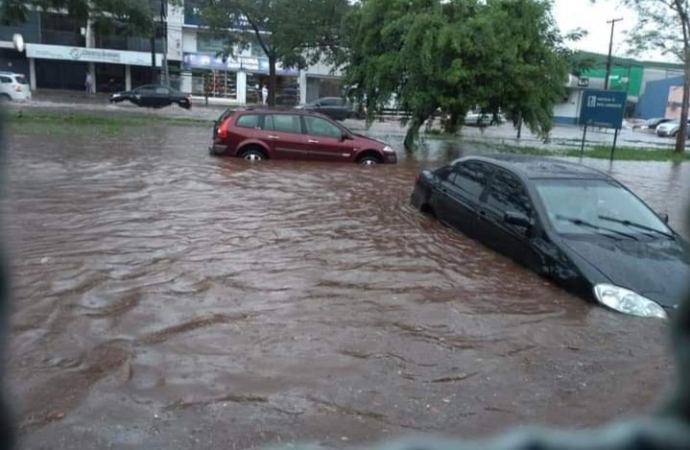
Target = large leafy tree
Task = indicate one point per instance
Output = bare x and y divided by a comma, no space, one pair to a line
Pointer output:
290,32
450,56
664,26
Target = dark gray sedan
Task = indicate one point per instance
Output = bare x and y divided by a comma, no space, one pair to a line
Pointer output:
570,223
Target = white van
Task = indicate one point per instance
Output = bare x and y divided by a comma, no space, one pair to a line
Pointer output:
14,86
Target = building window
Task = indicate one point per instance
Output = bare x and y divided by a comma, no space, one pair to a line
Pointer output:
206,42
256,50
60,29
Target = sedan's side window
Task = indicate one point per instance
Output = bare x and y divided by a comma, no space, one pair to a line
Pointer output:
248,121
162,91
5,80
471,177
285,123
507,194
320,127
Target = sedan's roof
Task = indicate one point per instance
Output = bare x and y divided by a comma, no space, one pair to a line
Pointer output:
540,167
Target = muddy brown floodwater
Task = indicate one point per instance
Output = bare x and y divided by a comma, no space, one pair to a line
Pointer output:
165,299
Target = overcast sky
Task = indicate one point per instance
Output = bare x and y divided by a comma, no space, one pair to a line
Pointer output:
571,14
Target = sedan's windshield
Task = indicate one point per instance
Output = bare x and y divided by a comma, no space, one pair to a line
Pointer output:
601,205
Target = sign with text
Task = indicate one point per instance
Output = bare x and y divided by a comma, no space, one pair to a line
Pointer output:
251,64
97,55
603,109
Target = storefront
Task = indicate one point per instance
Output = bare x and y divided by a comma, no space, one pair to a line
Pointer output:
62,67
322,86
236,79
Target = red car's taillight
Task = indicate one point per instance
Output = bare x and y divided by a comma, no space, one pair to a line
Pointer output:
223,129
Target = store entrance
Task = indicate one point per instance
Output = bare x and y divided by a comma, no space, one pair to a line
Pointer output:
287,89
110,78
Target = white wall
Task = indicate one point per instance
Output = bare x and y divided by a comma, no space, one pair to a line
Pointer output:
570,108
189,40
175,22
323,69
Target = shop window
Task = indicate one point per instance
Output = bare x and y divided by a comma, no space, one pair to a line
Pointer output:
215,83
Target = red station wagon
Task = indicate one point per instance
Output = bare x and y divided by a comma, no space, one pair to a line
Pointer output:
258,134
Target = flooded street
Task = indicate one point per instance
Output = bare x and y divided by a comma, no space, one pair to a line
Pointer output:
165,299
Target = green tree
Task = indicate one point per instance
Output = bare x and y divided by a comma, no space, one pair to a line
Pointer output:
664,26
450,56
293,33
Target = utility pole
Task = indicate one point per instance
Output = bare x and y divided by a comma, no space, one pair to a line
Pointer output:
608,61
164,26
153,43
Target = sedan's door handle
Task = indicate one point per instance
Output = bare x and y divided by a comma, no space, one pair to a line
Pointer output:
272,137
312,141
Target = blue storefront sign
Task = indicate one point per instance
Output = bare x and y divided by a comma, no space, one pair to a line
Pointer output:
603,109
251,64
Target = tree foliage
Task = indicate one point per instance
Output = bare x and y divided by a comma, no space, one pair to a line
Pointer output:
290,32
664,25
454,55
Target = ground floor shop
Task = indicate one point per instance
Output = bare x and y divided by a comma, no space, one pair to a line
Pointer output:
323,86
236,80
61,67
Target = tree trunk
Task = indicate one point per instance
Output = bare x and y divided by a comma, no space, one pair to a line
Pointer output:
271,80
683,130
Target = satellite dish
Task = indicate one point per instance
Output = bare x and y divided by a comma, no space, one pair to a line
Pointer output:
18,40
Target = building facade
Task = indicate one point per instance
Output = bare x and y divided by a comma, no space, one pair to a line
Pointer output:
59,52
646,83
239,78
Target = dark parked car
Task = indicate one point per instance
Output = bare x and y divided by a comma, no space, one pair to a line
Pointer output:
572,224
258,134
153,96
651,124
334,107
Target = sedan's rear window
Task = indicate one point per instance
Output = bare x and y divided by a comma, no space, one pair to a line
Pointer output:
248,121
21,79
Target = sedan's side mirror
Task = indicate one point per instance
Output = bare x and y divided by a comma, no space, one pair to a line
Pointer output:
664,217
517,219
344,137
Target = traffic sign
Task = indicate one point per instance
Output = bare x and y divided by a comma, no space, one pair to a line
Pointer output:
603,109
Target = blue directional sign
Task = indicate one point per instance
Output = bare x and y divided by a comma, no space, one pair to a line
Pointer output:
603,109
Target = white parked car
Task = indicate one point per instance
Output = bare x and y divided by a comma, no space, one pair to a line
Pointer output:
14,86
475,118
669,129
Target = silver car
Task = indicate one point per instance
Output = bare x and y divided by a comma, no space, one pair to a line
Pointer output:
669,129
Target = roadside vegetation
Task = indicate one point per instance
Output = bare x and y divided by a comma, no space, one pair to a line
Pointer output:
59,123
45,122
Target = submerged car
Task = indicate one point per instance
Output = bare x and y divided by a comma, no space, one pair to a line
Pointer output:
258,134
153,96
567,222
